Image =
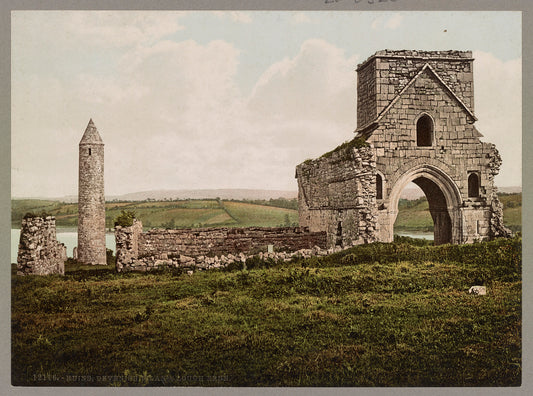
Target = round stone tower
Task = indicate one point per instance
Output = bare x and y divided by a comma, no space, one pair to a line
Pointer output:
91,201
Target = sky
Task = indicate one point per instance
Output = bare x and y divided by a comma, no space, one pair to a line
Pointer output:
226,99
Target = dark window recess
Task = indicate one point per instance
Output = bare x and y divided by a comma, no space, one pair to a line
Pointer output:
338,241
473,186
424,131
89,151
379,187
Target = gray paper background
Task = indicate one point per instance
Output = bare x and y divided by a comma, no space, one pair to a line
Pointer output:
402,5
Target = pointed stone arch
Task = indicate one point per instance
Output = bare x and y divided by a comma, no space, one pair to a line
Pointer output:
443,196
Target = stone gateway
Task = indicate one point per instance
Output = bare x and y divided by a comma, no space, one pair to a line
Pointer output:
415,123
91,201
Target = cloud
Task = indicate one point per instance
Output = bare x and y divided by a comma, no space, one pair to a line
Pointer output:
498,106
392,22
172,116
377,22
309,84
236,16
307,98
103,28
301,18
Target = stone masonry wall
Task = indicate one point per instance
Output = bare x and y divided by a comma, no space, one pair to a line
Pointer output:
39,252
140,251
387,72
337,194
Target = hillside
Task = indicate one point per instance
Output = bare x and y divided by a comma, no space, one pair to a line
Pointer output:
413,215
188,213
162,195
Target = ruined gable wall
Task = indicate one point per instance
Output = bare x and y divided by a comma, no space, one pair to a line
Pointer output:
39,251
339,189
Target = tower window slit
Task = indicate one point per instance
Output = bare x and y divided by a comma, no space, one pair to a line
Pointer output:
379,187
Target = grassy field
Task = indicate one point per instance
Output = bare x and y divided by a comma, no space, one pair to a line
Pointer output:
168,214
374,315
413,215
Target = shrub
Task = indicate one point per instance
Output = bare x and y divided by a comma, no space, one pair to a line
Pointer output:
125,219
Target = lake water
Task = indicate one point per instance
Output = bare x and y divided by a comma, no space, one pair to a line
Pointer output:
67,236
421,235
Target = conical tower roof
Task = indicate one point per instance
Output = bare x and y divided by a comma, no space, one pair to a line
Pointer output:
91,135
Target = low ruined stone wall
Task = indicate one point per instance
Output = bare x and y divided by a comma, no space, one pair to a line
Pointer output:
39,251
138,251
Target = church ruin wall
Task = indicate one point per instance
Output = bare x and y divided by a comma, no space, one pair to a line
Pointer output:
338,190
142,251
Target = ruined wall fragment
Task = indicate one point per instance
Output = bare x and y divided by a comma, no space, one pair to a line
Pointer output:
39,252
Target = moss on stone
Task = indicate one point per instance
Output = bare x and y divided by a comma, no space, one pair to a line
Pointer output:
355,143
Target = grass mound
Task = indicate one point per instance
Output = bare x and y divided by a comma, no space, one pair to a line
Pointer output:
375,315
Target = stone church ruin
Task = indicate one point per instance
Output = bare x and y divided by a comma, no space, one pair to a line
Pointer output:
415,123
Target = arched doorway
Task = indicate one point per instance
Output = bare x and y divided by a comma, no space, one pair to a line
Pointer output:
414,219
443,199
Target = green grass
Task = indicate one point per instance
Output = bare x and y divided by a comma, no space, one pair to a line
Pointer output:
248,215
512,210
171,214
413,216
374,315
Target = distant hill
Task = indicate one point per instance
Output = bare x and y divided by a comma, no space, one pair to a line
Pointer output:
510,190
415,193
413,214
159,195
227,193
